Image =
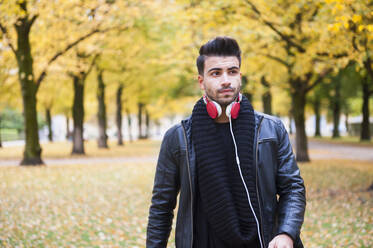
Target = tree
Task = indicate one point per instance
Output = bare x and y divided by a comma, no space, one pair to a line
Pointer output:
317,99
84,67
101,113
6,85
140,115
22,18
341,89
118,115
267,96
46,98
353,20
336,102
295,50
129,124
284,35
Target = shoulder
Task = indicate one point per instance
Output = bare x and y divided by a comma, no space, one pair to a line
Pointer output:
268,118
172,133
270,123
171,140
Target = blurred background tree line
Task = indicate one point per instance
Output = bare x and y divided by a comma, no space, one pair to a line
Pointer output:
109,58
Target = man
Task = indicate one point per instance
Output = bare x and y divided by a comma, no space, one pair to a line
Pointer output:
234,168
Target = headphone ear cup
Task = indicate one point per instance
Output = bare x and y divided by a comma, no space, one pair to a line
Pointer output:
213,109
234,109
218,108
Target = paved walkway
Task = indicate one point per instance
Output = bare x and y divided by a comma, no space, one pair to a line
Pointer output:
318,150
324,150
86,160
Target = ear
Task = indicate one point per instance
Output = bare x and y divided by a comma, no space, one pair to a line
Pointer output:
200,81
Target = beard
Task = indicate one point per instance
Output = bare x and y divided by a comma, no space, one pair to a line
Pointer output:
223,101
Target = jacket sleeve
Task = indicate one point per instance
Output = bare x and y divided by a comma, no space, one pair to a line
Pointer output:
165,190
290,188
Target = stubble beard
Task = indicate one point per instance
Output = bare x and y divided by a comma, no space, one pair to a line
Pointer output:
223,102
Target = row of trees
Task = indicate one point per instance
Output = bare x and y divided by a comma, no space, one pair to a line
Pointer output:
68,40
147,50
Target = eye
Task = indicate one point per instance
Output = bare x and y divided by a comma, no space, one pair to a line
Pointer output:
215,73
233,72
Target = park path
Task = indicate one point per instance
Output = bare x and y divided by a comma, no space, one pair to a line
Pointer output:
86,160
326,150
318,150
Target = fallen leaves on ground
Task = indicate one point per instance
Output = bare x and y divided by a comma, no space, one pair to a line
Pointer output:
107,205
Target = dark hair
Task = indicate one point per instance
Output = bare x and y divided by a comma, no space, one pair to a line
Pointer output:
219,46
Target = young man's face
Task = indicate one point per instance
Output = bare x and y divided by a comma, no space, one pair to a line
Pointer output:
221,79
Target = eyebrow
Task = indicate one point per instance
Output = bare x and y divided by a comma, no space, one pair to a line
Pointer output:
219,69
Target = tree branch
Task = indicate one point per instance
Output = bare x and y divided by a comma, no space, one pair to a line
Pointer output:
354,45
5,33
93,62
32,20
368,62
281,61
67,48
336,56
314,13
284,37
319,79
264,82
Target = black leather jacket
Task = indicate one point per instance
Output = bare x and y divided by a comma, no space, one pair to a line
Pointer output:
280,187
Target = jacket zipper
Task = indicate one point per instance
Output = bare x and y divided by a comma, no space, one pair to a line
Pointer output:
190,183
256,179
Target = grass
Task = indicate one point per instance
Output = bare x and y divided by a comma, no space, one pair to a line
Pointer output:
63,149
106,205
9,134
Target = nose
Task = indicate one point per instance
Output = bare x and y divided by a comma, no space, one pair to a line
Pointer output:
225,81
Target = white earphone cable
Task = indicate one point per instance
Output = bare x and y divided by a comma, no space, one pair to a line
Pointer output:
243,181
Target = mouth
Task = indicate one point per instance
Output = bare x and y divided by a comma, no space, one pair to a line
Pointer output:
225,91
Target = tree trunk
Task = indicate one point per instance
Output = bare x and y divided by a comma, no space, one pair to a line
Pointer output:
336,108
299,103
68,132
365,129
48,118
119,115
78,115
244,82
249,96
266,97
267,102
101,114
32,152
129,125
139,117
316,108
147,124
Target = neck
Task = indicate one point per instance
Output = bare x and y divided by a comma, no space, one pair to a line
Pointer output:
223,118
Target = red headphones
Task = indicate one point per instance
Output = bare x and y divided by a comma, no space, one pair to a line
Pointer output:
214,109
